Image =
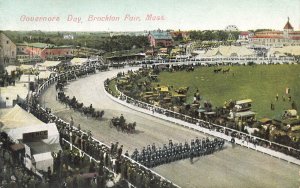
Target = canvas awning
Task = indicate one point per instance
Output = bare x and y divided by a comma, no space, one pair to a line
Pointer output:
243,101
50,63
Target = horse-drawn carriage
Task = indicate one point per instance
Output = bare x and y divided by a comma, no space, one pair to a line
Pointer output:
120,124
74,104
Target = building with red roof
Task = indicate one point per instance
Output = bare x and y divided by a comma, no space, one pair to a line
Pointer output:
287,37
245,35
160,38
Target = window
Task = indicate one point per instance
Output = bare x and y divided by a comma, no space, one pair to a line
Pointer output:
7,42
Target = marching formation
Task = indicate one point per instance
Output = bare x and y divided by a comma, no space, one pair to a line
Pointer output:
153,156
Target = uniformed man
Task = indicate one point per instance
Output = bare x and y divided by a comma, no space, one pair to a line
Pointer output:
112,148
191,156
153,148
122,120
170,143
197,140
126,153
120,150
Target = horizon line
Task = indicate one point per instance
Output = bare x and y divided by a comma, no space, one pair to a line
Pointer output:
132,31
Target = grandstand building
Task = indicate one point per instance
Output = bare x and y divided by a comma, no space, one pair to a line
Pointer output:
287,37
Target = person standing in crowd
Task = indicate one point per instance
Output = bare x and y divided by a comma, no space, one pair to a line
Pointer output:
191,156
120,150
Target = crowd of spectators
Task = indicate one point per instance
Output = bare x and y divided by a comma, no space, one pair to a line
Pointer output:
86,162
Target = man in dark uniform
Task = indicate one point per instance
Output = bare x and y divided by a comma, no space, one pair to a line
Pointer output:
122,121
112,148
120,150
170,143
191,156
153,148
197,141
126,153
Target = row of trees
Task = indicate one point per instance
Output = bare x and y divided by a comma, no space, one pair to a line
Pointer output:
97,40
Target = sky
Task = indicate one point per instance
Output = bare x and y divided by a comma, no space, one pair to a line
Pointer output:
130,15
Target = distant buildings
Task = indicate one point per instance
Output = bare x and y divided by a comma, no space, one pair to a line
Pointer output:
185,35
160,38
230,28
245,35
287,37
8,49
69,36
45,51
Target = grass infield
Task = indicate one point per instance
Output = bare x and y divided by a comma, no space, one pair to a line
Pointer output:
261,83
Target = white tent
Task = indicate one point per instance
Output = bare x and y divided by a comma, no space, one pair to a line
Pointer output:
17,121
26,67
9,94
10,68
50,63
43,161
230,51
25,78
79,61
17,117
39,139
53,135
45,74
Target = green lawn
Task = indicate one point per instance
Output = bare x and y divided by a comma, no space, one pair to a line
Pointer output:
260,83
112,87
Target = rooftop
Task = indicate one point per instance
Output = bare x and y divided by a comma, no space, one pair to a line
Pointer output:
288,25
161,35
43,45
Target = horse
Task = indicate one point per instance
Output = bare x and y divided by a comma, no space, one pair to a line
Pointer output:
250,130
226,70
217,70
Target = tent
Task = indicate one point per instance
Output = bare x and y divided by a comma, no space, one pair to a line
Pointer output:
17,117
43,161
51,63
39,139
52,133
9,94
79,61
10,68
45,74
25,78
